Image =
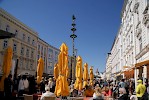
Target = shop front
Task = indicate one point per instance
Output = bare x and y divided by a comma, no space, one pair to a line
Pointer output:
129,74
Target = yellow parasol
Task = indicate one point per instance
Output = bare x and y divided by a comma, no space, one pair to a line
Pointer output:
7,63
79,74
85,75
62,88
91,76
56,71
40,69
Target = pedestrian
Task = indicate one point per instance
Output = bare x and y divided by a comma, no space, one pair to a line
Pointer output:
8,86
42,85
123,94
21,87
140,90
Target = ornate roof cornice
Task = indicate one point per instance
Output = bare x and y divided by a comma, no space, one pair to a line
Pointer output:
15,21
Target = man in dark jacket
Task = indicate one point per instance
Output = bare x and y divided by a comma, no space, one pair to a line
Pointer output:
8,86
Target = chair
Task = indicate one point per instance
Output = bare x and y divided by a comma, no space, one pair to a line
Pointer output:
49,98
28,97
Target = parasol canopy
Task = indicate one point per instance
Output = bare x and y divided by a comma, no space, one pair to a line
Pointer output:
40,69
7,63
62,88
79,74
85,75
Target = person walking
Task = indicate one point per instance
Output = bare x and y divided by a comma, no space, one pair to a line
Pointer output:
140,90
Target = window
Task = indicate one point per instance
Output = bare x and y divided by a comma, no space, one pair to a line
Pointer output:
32,53
38,57
7,28
5,43
23,37
21,64
16,33
140,43
45,51
44,59
28,39
14,47
132,58
31,66
41,48
56,56
38,47
27,53
22,51
27,64
131,37
33,42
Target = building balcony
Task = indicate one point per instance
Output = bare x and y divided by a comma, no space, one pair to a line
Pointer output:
146,20
142,52
138,29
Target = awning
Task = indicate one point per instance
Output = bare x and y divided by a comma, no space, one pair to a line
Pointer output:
118,74
126,67
137,65
5,34
129,73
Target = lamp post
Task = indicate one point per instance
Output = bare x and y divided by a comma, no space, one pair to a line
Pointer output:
73,36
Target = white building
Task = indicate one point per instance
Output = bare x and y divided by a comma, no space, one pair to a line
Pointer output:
108,67
130,48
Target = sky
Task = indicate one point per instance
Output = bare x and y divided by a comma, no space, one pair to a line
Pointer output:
97,24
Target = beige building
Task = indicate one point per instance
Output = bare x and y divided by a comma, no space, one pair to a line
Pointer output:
52,58
42,52
27,47
49,54
24,44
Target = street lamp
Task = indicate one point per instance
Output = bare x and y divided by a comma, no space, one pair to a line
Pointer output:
73,36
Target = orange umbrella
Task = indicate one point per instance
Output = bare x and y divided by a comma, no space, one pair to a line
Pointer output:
40,69
7,63
62,88
85,75
79,74
56,71
91,76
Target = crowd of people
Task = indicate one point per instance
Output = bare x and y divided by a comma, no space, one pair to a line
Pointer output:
101,90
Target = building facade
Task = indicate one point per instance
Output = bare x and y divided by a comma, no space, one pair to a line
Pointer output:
42,52
24,44
52,59
129,53
27,47
108,67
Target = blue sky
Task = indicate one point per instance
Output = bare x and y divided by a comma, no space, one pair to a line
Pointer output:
97,23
